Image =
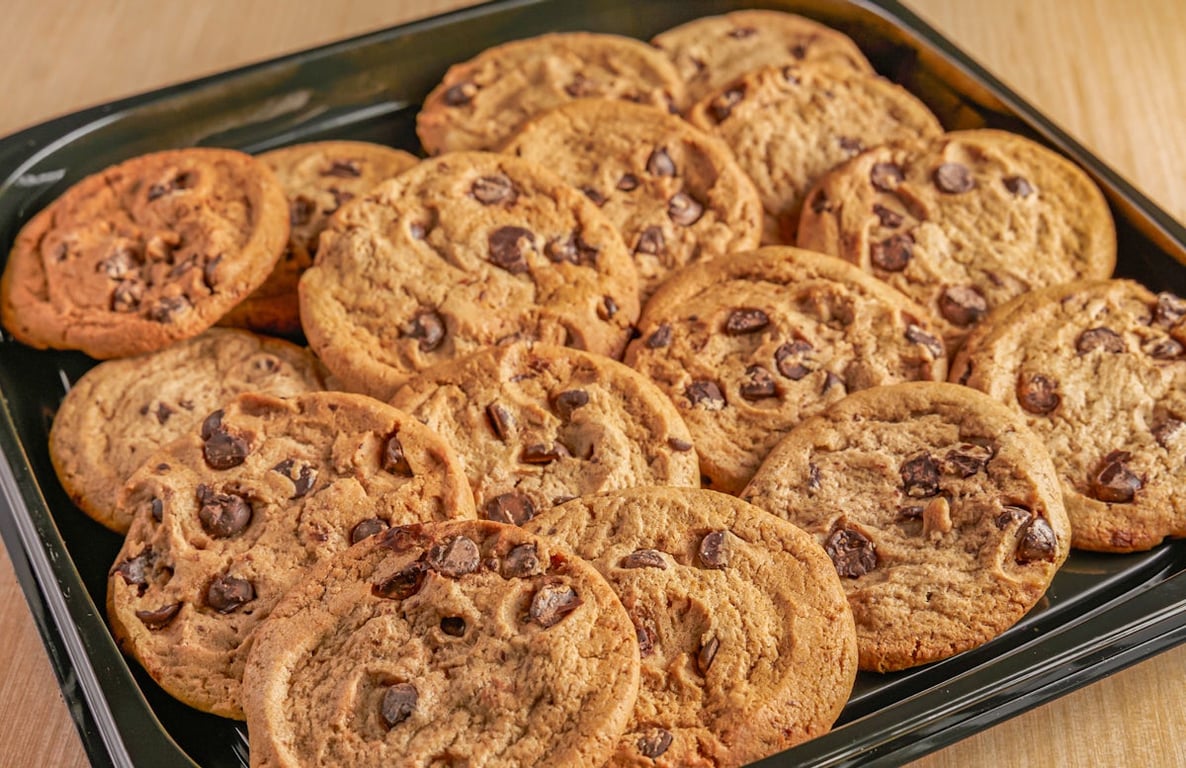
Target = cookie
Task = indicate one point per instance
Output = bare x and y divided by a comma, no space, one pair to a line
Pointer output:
458,253
747,641
789,125
317,178
536,425
712,51
466,642
955,222
941,513
749,345
145,253
229,516
481,102
1098,370
675,193
122,411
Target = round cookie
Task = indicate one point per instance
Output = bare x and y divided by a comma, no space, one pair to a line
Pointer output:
466,642
675,193
747,641
712,51
318,178
940,510
458,253
122,411
749,345
145,253
481,102
1098,371
789,125
955,222
536,425
228,517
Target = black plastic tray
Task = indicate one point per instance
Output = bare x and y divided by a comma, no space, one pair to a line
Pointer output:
1102,613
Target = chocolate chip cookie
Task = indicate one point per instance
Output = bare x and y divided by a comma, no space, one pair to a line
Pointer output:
941,513
536,425
122,411
788,125
458,253
712,51
675,193
229,516
145,253
466,642
1098,370
317,178
955,222
747,641
481,102
749,345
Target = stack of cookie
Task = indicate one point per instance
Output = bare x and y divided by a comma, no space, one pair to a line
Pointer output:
484,514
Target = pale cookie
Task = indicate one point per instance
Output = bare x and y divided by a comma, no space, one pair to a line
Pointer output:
789,125
145,253
747,641
318,178
675,193
122,411
940,510
963,223
459,253
481,102
536,425
228,518
461,643
1098,371
749,345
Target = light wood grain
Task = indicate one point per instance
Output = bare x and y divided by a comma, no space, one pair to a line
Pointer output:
1108,72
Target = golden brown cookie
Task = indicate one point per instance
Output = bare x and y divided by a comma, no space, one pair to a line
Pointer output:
459,643
145,253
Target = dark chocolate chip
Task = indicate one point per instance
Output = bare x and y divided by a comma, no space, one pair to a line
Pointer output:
705,393
813,477
679,444
594,196
160,617
646,639
1037,393
962,305
722,106
912,512
580,87
399,702
157,190
832,380
304,479
366,529
341,197
221,449
850,146
684,209
167,308
222,515
126,296
491,190
920,477
967,459
402,584
522,561
500,419
1037,542
394,460
210,271
1099,338
758,384
893,253
1170,309
506,246
568,401
628,182
650,241
158,509
457,95
542,453
343,169
1114,482
1018,186
1012,515
514,508
227,593
454,626
660,163
888,217
1164,349
644,558
163,412
714,550
572,249
607,308
119,264
820,202
852,552
886,176
551,603
301,210
919,336
134,570
654,742
953,178
791,359
455,559
661,337
708,653
746,320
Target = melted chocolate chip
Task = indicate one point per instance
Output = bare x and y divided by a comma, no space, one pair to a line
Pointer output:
492,190
366,529
654,742
134,570
1017,186
660,163
893,253
500,419
714,550
679,444
221,449
1114,483
126,296
1166,431
160,617
831,381
646,638
1170,309
542,453
514,508
506,246
227,593
457,95
580,87
394,460
594,196
962,305
167,308
887,217
522,561
886,176
850,146
429,327
919,336
222,515
1099,338
819,202
746,320
158,509
967,459
402,584
1037,393
1037,542
708,653
455,559
399,702
705,393
920,477
644,558
628,182
572,249
551,603
1164,349
791,359
650,241
953,178
1013,515
343,169
568,401
607,308
722,106
684,210
661,337
758,384
852,552
454,626
740,33
813,477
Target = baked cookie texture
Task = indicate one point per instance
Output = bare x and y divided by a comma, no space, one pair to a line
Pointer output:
963,223
228,517
145,253
940,510
712,51
747,641
788,125
460,252
442,644
123,411
318,177
536,425
749,345
1098,371
674,192
481,102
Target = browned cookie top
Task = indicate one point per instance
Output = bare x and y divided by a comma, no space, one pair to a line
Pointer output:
963,223
1098,371
144,253
712,51
747,641
317,178
788,125
461,252
481,102
675,193
940,510
459,643
228,517
537,425
749,345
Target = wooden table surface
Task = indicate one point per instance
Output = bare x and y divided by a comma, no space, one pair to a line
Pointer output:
1110,72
